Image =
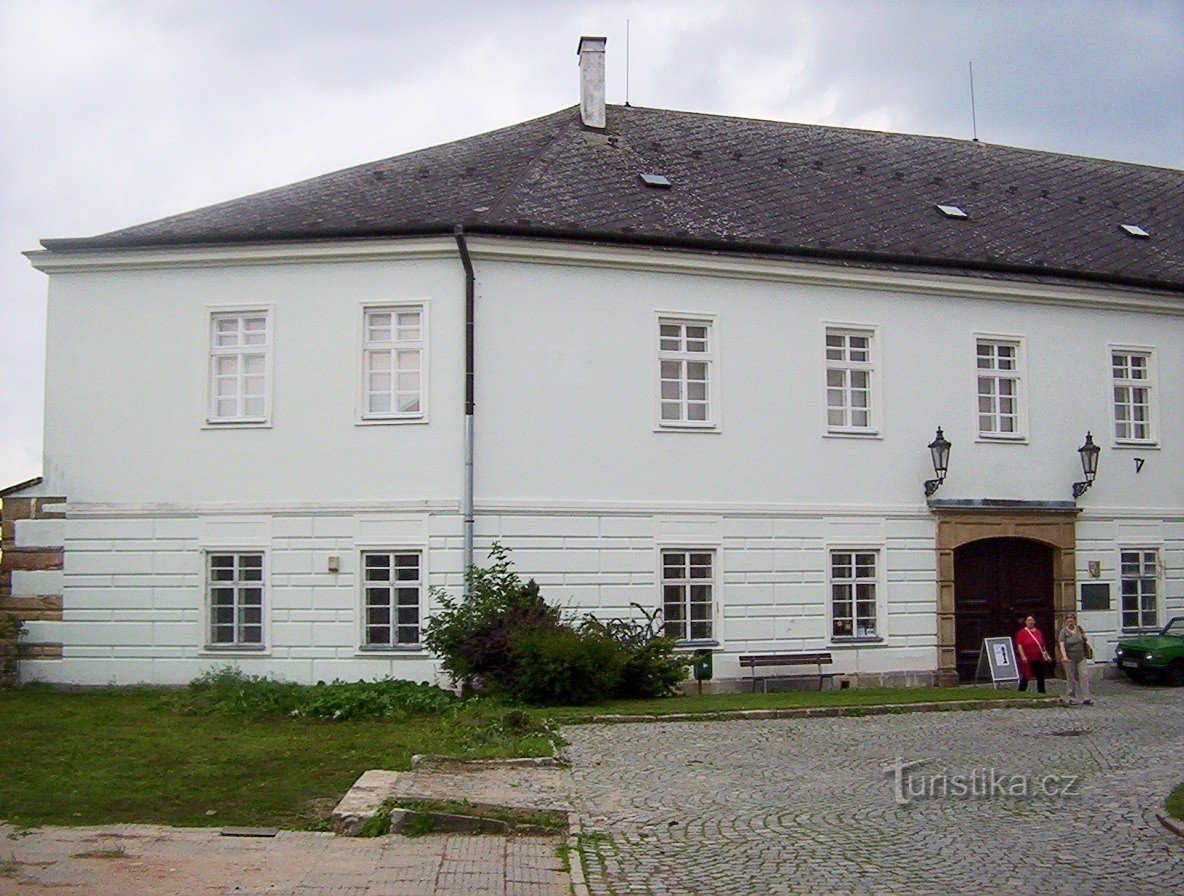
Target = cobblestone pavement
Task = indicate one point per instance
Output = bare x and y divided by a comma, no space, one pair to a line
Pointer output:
122,860
805,806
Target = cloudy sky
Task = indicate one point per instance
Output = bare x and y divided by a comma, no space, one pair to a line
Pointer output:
118,112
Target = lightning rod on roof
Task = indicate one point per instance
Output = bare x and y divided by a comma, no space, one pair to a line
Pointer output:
973,116
626,62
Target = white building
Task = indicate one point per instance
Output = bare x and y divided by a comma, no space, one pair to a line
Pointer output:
708,357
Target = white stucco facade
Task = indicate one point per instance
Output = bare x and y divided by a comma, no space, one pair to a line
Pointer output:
575,471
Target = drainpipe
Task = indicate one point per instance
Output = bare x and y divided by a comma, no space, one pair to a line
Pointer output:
467,500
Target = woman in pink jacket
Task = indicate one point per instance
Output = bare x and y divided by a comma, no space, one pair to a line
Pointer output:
1031,655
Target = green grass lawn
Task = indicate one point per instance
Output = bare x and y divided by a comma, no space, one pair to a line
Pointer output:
132,755
137,755
709,703
1175,803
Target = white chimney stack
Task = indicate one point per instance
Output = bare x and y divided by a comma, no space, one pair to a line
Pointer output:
591,53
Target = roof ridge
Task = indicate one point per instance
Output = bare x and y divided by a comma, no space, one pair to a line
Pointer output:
529,166
961,141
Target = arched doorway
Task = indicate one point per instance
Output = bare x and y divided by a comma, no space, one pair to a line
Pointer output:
1052,524
998,582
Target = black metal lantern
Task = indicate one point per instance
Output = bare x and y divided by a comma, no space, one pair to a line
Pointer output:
939,450
1089,465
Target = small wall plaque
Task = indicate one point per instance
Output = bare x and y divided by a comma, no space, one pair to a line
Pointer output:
1095,596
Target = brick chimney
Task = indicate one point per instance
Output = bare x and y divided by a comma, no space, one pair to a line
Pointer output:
591,53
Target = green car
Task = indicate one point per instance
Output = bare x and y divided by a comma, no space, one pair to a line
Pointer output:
1159,655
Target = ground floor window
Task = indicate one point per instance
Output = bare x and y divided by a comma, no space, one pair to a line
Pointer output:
853,594
236,599
687,594
394,586
1140,591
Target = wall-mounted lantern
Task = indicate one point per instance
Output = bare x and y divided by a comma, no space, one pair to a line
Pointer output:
1089,464
939,450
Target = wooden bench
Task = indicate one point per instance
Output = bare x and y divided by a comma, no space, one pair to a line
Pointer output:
765,660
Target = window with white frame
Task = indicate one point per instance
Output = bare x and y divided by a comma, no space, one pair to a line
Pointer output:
236,599
1131,372
393,583
850,370
853,587
393,363
239,345
998,366
685,358
1140,588
687,594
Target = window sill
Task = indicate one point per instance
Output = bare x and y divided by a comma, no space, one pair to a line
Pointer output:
840,642
853,434
696,643
237,424
1133,445
986,439
687,427
396,649
391,421
234,650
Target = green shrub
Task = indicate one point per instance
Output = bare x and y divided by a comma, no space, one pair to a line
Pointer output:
564,666
230,691
472,635
649,665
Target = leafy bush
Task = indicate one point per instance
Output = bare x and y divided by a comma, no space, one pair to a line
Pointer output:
503,638
230,691
649,667
473,635
564,666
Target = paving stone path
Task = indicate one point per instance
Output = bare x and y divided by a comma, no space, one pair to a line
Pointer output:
805,806
148,860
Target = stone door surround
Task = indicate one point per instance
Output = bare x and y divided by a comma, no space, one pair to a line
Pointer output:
1054,524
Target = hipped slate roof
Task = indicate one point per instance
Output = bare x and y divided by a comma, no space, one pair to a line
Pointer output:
737,185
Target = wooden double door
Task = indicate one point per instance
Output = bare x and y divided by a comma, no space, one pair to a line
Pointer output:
997,583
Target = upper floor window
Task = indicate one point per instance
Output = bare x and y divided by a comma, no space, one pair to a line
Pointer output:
393,368
850,380
236,599
687,600
1140,589
240,344
1131,373
999,388
686,359
394,588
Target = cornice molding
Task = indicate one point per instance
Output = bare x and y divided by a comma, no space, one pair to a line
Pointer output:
649,259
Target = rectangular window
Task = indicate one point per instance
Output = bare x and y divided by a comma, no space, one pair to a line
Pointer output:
1140,589
394,586
1131,372
687,589
685,358
393,363
998,364
850,370
853,586
236,600
239,345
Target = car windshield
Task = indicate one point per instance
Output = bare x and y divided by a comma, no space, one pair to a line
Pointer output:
1175,628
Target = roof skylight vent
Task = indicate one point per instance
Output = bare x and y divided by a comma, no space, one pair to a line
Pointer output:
1135,230
661,181
952,211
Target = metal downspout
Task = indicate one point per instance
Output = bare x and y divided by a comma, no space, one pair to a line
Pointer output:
467,500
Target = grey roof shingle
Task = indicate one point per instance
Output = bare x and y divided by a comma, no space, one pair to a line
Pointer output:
737,184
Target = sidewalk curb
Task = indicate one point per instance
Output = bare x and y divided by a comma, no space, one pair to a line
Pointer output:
1176,827
812,712
575,858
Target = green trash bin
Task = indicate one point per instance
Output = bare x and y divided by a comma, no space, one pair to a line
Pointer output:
702,665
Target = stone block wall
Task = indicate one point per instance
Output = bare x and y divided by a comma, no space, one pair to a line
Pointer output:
18,555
